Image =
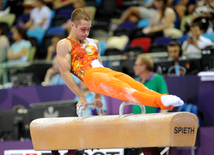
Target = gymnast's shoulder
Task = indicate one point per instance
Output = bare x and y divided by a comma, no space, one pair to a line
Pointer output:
64,44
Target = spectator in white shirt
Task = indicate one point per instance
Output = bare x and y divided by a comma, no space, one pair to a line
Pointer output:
40,16
195,41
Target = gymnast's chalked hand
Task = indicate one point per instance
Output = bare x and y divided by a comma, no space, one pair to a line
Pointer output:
82,101
98,104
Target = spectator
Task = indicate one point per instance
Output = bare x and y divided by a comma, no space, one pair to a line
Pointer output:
20,48
204,9
28,6
180,7
51,50
192,6
60,4
40,16
174,50
175,53
196,41
136,13
203,12
90,97
4,44
161,21
53,76
143,69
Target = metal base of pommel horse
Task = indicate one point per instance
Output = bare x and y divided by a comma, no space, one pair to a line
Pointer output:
146,131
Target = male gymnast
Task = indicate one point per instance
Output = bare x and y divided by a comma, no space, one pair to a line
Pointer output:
80,55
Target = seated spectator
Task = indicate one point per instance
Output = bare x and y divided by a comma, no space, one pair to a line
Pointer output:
40,16
4,44
143,69
203,11
136,13
19,49
53,76
175,53
195,41
28,6
90,97
192,6
161,21
59,4
180,7
51,51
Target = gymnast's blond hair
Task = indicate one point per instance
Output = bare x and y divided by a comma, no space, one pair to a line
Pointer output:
79,14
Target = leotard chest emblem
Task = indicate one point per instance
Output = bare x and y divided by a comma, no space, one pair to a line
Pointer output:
89,50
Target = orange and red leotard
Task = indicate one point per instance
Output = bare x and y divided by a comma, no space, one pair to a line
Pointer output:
86,66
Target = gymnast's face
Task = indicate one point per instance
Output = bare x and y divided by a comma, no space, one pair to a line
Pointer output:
81,29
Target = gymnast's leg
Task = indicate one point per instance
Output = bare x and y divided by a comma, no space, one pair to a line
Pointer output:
165,99
121,86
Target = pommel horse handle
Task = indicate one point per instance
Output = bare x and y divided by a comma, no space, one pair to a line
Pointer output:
80,109
121,115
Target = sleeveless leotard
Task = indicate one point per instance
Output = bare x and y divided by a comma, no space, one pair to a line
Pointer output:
83,57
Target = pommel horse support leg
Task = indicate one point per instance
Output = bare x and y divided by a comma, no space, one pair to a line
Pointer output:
146,131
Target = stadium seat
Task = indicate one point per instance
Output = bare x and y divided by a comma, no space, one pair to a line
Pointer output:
56,30
46,42
143,42
183,38
59,20
23,17
157,47
53,13
31,54
112,51
122,31
37,33
102,47
5,27
9,19
209,36
65,12
129,25
162,40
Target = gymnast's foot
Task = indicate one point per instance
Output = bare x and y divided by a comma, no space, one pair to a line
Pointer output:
171,100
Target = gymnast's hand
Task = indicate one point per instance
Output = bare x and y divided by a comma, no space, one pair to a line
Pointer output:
98,104
82,101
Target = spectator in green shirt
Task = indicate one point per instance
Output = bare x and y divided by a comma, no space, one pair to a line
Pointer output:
143,69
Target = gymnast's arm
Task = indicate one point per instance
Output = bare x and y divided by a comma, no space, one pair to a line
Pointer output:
64,64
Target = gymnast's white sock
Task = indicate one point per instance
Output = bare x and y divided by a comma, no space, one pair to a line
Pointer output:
173,100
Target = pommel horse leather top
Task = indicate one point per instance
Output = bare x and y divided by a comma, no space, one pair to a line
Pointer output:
101,132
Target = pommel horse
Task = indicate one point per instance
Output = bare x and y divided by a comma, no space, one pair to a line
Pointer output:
146,131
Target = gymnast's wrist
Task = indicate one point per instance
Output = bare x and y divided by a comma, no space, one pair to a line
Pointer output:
81,96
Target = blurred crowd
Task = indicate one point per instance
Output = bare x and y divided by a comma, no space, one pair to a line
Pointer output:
30,29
